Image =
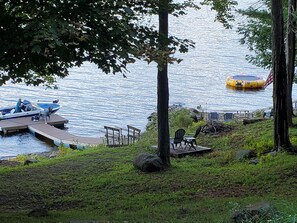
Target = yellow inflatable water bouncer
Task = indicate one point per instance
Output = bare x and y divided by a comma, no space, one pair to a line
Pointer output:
245,82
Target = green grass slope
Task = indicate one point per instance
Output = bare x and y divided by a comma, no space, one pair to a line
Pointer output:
101,184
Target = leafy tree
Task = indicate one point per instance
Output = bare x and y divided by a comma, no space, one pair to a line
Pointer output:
40,40
276,55
256,34
224,9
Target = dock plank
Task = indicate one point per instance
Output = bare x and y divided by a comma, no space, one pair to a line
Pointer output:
61,137
46,129
182,152
23,123
179,153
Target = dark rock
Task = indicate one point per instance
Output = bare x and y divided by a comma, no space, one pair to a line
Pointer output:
148,163
38,212
184,211
30,161
193,111
254,213
216,127
250,121
195,115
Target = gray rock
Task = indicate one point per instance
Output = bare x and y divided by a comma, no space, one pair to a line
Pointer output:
272,153
148,163
243,154
30,161
195,115
54,154
255,161
38,212
254,213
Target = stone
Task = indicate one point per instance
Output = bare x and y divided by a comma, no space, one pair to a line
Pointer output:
30,161
38,212
272,153
148,163
255,161
243,154
195,115
54,154
254,213
250,121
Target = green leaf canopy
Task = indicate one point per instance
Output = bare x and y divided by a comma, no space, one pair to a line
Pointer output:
40,40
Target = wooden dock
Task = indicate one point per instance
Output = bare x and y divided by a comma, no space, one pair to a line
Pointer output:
47,130
182,151
179,153
16,124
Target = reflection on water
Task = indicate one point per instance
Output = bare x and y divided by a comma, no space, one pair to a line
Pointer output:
92,99
20,143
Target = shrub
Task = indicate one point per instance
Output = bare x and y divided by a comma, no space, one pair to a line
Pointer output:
180,119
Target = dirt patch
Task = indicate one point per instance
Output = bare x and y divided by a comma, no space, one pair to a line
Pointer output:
8,163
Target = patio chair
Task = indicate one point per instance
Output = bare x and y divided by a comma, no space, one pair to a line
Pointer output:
178,138
228,117
213,116
191,140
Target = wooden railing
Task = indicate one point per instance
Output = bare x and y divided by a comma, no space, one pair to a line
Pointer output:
133,134
115,137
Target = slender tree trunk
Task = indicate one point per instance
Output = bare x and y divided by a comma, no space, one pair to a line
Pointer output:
163,89
291,44
281,128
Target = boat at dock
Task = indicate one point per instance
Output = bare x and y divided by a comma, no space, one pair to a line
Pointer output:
30,109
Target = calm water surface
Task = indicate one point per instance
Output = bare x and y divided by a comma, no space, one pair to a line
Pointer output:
92,99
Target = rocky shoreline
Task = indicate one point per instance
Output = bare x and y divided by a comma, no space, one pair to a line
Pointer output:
30,158
195,114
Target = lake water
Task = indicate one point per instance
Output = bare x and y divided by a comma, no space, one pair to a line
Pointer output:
92,99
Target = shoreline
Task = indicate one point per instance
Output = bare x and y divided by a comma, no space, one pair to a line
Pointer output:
44,154
199,111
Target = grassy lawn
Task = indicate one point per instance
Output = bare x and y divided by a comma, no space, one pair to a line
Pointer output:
101,184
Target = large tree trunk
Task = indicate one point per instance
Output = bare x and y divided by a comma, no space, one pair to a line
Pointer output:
291,56
281,128
163,89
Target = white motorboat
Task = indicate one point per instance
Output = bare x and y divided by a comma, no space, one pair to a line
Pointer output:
30,109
